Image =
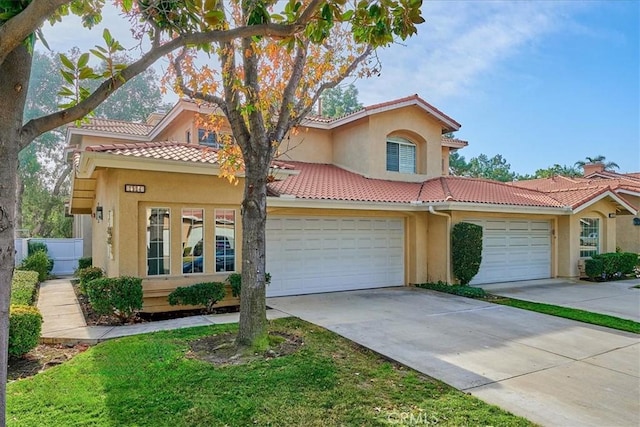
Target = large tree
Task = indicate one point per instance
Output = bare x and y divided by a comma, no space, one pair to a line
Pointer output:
168,25
265,91
337,102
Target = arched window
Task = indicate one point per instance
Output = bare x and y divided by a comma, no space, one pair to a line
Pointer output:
401,155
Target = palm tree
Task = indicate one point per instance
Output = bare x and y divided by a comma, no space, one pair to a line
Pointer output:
597,159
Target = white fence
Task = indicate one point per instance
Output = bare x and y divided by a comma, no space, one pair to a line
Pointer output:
64,252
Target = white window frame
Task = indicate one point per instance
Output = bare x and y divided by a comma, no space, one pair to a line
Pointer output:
184,240
166,242
407,154
232,243
586,240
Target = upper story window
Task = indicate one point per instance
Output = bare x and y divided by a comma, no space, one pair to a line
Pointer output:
589,237
208,138
401,155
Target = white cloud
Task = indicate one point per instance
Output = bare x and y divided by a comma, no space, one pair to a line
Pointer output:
460,43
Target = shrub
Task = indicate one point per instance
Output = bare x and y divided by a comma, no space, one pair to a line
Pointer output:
466,251
23,287
39,262
33,247
611,265
88,274
461,290
235,281
85,262
119,296
206,294
25,324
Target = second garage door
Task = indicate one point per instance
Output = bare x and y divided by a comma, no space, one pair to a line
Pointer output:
323,254
514,250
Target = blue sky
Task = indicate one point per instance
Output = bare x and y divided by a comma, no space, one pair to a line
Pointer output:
539,82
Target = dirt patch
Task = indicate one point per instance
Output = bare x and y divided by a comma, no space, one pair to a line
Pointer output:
221,349
40,359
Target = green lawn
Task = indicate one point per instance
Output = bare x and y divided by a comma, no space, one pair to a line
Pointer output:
146,380
574,314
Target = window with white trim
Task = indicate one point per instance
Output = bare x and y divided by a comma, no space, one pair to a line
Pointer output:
589,237
401,155
192,241
225,237
158,241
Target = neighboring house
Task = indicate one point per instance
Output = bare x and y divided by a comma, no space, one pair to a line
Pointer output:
356,202
596,178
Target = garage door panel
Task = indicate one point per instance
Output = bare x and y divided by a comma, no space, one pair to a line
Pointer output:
347,253
514,250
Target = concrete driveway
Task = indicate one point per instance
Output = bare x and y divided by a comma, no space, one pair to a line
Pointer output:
618,298
553,371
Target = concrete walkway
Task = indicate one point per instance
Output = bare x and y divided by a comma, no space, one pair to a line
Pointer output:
553,371
618,298
64,322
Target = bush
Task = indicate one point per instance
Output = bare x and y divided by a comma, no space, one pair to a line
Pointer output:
461,290
235,281
611,265
88,274
23,287
206,294
39,262
466,251
25,324
85,262
118,296
33,247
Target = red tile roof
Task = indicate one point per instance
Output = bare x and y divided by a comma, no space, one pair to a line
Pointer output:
329,182
118,126
167,150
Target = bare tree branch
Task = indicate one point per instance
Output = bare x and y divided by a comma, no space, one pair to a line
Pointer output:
284,117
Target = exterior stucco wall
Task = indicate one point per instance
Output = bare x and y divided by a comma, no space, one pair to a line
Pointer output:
307,145
436,259
628,234
106,197
352,147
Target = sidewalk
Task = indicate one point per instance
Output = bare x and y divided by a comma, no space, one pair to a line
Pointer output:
64,322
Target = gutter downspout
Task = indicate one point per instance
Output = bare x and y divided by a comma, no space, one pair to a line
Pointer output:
448,244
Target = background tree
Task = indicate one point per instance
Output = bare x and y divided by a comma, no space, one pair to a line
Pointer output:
336,102
458,166
166,26
597,159
556,170
265,88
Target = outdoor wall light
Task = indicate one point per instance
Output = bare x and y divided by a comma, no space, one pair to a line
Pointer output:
99,213
612,215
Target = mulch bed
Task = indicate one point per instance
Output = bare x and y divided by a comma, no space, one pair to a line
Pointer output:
41,358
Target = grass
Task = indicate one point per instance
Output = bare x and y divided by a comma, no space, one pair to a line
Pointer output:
554,310
573,314
148,380
23,287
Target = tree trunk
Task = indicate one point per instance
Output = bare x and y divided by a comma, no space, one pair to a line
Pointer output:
14,80
253,320
19,194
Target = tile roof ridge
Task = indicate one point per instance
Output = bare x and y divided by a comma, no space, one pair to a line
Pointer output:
445,189
91,119
152,144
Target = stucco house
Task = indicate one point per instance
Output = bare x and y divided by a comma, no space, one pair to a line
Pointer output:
356,202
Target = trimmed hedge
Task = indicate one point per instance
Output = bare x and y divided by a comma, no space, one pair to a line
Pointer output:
461,290
611,265
466,251
25,324
118,296
33,247
39,261
85,262
23,287
86,275
206,294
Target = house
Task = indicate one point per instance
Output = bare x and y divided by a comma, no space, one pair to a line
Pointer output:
596,178
356,202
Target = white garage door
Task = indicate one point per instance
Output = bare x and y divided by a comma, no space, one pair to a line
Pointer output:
514,250
321,254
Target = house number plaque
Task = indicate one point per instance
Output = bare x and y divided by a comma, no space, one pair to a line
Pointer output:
134,188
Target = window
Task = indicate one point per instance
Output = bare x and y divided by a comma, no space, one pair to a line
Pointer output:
401,155
589,237
192,243
187,136
208,138
158,241
225,236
